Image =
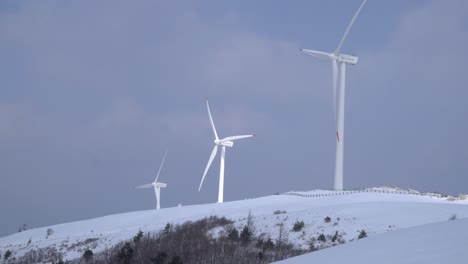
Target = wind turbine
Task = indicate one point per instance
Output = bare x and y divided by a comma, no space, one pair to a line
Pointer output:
343,59
225,142
156,185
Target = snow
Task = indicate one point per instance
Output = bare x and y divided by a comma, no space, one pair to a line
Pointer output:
375,212
444,242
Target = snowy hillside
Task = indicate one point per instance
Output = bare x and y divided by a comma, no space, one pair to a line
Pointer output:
375,212
444,242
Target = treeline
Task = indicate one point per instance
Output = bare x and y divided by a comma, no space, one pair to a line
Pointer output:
209,240
195,242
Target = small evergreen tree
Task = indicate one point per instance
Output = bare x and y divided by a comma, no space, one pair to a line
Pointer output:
335,237
245,234
322,238
167,229
250,223
298,226
7,254
138,237
49,232
125,253
362,234
233,234
88,255
327,219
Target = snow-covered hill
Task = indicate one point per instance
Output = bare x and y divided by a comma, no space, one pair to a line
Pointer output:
375,212
444,242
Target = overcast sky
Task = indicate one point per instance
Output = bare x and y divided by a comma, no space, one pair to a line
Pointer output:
93,92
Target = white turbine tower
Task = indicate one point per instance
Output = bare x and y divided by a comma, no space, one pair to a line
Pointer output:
225,142
156,185
343,59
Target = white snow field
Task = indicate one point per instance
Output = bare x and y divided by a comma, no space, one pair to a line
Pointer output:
376,213
444,242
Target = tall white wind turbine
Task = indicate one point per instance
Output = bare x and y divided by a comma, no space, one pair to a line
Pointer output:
339,58
156,185
225,142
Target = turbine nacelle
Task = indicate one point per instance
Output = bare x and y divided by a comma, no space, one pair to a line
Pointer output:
160,184
225,143
348,59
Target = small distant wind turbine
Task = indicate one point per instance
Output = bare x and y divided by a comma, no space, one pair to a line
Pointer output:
225,142
337,57
156,185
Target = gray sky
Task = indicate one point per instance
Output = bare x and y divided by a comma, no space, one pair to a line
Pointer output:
93,92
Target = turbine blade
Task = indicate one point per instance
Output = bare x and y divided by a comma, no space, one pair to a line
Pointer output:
335,81
338,50
160,167
232,138
317,54
213,155
211,120
149,185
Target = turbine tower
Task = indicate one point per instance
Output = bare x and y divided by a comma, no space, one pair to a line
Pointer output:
225,142
156,185
339,58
